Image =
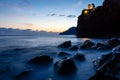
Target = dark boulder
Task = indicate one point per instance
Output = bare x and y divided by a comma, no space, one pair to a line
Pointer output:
44,59
108,71
23,74
63,54
104,58
108,67
79,57
116,49
113,42
87,45
66,44
116,55
74,48
102,46
65,67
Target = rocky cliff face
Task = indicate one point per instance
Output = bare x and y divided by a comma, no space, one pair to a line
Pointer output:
103,21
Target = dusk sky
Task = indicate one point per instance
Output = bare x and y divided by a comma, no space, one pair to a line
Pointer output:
48,15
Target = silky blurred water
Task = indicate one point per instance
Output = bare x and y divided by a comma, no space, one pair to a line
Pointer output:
13,62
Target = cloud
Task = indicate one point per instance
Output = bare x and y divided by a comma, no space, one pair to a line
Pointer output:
71,16
62,15
52,14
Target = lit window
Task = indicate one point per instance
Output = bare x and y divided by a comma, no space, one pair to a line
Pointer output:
86,11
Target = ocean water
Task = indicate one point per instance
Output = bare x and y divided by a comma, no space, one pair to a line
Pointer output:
13,62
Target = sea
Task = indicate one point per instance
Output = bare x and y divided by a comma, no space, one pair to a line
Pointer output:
16,51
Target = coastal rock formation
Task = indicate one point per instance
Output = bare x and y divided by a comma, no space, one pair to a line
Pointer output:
108,67
102,21
65,67
102,46
113,42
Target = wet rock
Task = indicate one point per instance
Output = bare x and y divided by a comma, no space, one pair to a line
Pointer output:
65,44
79,57
87,45
23,74
65,67
100,61
108,67
44,59
63,54
113,42
102,46
116,56
108,71
116,49
74,48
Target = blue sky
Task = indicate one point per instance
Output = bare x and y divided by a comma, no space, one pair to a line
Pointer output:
48,15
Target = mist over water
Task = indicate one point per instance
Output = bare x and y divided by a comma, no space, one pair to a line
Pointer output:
13,62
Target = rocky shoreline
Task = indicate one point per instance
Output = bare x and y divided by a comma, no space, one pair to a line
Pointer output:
108,66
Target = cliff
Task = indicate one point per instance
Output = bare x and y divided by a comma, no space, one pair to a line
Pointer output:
102,21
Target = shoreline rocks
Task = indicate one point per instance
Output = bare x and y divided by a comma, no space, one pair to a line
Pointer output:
65,44
65,67
108,67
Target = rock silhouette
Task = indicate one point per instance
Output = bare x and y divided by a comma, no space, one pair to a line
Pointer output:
65,67
102,21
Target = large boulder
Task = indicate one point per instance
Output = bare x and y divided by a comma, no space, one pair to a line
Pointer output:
104,58
87,45
102,46
66,44
44,59
108,68
65,67
23,75
113,42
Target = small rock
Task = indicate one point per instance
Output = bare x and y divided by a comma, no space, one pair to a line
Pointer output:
74,48
65,44
79,57
87,44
